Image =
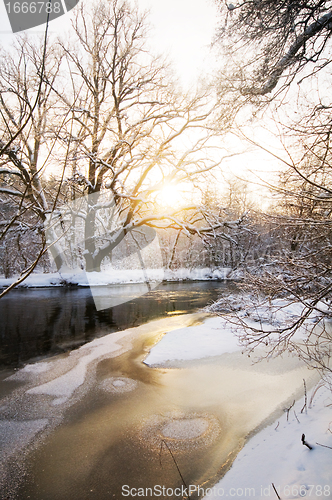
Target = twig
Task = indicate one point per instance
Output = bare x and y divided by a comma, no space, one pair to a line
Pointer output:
304,442
319,385
325,446
296,416
288,409
275,489
276,426
305,397
161,447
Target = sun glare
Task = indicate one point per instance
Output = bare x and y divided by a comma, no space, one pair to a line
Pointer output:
171,195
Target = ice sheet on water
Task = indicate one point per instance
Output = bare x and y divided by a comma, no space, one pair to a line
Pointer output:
212,338
31,369
63,387
15,435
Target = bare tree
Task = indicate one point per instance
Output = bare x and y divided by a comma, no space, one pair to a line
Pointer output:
131,130
290,287
29,134
112,127
279,52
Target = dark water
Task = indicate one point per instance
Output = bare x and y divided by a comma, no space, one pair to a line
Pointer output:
36,323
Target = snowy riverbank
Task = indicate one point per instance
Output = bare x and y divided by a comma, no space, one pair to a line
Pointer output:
277,456
116,276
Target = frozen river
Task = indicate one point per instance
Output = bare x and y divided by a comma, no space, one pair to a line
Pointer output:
46,321
89,423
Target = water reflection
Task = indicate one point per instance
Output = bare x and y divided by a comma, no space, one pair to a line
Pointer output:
41,322
204,410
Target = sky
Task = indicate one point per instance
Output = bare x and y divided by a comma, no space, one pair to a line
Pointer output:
182,29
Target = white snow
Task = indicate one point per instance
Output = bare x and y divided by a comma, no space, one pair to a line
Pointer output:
212,338
276,455
32,369
116,276
80,278
64,386
201,274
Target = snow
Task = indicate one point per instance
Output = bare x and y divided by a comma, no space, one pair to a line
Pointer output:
212,338
63,387
201,274
80,278
115,276
272,317
276,455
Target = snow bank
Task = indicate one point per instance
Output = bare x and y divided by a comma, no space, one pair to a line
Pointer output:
274,312
212,338
271,316
116,276
276,455
80,278
202,274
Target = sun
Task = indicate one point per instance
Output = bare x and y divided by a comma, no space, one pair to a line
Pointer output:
171,196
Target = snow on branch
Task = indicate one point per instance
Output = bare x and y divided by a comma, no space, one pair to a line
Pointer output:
290,57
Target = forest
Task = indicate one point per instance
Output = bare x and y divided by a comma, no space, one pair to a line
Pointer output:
95,127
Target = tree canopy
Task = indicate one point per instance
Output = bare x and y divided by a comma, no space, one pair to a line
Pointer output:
280,38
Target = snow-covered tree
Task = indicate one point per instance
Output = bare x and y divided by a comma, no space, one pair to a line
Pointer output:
132,131
279,55
271,42
111,124
28,136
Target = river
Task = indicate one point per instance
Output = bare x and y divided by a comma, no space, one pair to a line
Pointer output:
86,423
38,322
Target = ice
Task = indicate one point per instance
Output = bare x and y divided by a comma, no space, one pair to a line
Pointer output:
185,428
214,337
16,435
32,369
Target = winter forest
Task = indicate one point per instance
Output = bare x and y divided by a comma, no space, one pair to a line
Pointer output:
96,113
107,161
